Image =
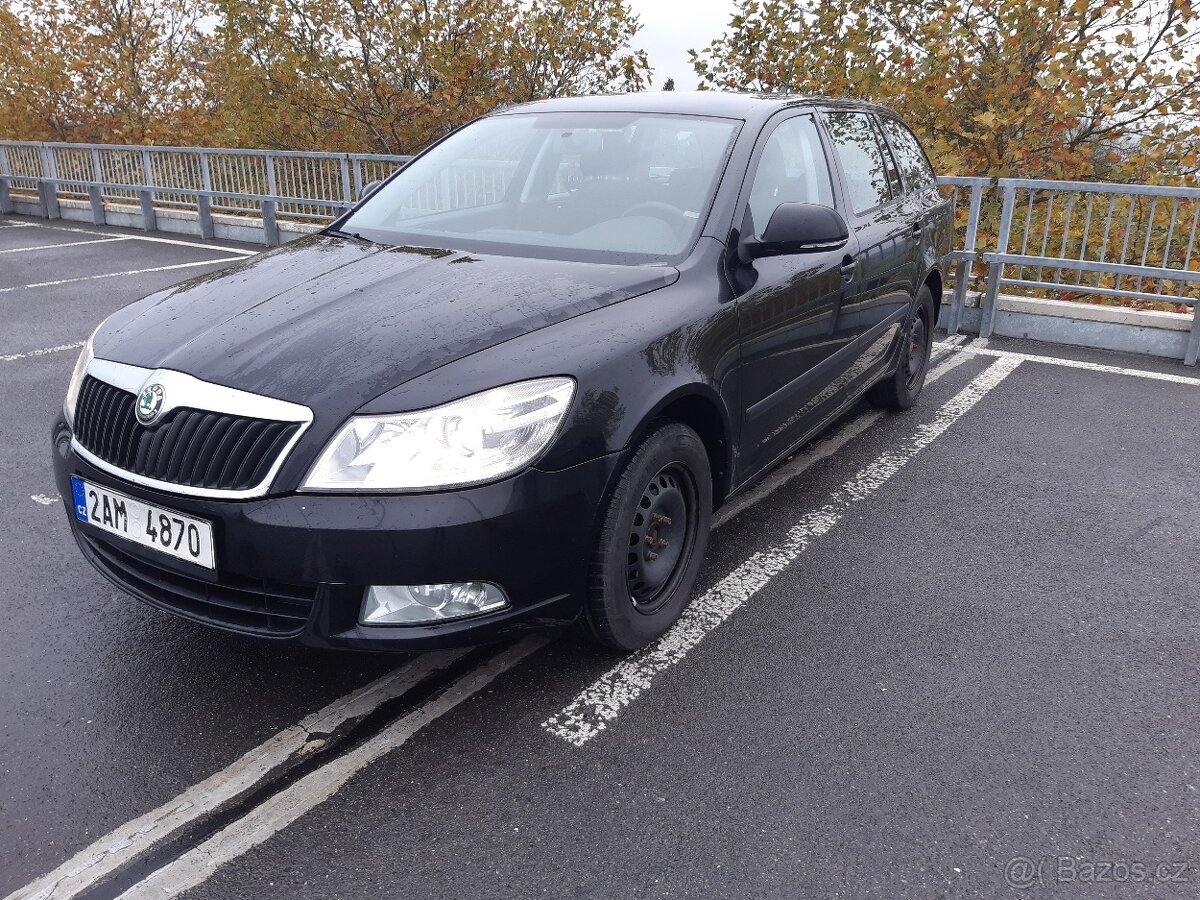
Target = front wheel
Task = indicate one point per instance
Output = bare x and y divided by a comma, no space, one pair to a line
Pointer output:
900,391
652,539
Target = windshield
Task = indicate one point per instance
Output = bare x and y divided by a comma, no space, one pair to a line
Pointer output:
613,187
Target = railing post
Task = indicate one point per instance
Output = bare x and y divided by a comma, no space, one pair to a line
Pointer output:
204,215
1193,344
95,189
48,193
269,207
204,201
6,204
205,171
146,195
991,296
270,225
347,197
270,164
962,272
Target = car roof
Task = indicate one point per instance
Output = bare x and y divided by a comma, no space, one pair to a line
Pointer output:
726,104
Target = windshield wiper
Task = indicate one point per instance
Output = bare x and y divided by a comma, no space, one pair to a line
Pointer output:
337,232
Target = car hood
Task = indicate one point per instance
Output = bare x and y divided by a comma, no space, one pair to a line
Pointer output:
333,322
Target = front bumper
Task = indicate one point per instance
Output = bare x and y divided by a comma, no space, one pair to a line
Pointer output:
296,565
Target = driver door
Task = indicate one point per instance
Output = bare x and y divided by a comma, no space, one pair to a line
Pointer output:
788,305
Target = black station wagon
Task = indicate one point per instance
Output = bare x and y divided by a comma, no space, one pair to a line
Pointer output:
509,388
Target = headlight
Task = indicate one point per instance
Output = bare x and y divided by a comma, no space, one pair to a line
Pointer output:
476,439
85,356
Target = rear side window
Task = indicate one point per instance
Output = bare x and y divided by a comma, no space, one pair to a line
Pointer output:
792,169
914,165
861,158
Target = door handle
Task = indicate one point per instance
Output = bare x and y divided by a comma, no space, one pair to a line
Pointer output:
849,268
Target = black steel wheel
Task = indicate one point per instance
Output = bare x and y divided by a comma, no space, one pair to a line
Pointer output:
662,526
916,357
652,539
900,390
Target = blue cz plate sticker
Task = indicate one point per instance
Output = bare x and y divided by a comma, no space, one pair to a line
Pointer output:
80,497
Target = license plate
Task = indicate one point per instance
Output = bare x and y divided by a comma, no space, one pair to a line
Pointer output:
150,526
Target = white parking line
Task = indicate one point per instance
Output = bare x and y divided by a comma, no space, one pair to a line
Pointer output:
983,350
143,237
594,708
45,499
122,845
66,244
280,810
44,351
40,284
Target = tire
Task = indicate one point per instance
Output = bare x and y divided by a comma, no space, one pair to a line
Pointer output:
900,390
653,533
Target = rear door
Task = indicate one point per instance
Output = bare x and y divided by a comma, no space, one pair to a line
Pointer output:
888,233
788,305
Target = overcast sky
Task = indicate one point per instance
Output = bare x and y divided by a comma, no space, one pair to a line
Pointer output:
671,27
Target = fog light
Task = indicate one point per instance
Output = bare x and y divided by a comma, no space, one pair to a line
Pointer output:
405,604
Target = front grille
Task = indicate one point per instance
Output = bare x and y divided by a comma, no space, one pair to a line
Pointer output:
189,447
253,606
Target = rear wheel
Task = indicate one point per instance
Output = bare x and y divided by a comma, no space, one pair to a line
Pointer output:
900,391
652,540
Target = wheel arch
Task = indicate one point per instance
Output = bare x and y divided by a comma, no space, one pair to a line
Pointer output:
699,408
933,280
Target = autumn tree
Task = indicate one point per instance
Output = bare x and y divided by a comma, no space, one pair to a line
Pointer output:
113,70
393,75
1096,89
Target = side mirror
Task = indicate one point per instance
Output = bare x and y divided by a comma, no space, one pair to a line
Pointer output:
798,228
368,189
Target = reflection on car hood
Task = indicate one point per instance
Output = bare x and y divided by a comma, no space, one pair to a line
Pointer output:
333,323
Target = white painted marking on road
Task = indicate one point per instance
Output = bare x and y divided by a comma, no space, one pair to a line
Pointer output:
122,845
983,350
594,708
44,351
147,238
45,499
8,224
205,262
284,808
67,244
824,448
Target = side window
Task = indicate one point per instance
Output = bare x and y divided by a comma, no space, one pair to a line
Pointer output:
791,169
861,158
914,165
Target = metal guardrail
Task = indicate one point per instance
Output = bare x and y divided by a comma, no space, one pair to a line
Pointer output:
968,234
1081,238
1076,238
271,184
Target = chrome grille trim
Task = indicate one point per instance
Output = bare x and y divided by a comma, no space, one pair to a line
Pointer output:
183,391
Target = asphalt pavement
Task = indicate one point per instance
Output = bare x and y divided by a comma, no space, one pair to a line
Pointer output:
947,653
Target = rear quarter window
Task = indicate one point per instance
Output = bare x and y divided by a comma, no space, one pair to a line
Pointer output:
914,164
